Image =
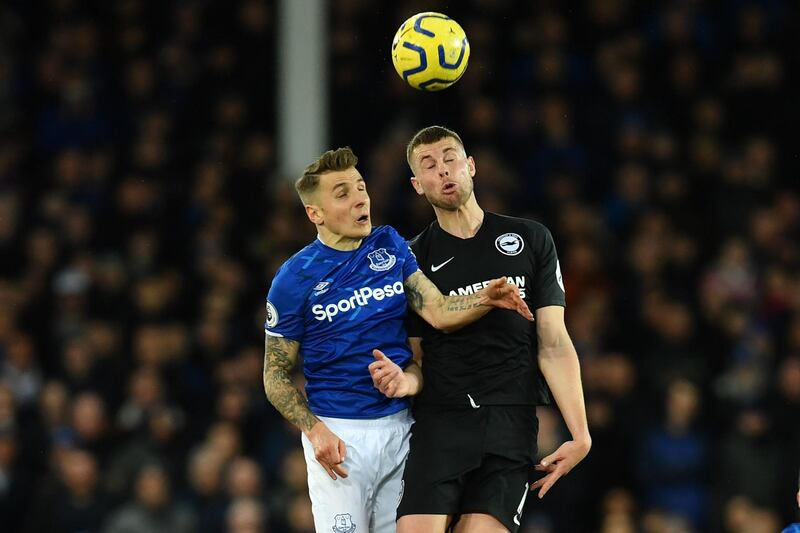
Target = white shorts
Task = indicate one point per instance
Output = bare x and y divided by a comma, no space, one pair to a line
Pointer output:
366,500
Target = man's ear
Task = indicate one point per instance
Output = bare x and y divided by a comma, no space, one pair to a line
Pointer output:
417,187
471,166
314,214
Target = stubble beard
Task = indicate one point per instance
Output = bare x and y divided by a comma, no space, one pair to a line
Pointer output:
454,202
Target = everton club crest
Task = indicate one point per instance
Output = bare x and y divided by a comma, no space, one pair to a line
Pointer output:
343,523
381,260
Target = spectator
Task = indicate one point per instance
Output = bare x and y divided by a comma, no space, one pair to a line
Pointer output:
153,508
142,216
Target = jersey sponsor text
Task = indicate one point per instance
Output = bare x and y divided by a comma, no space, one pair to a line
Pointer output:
519,281
360,298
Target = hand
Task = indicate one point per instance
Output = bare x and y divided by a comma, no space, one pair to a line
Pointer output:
500,293
388,377
329,449
559,463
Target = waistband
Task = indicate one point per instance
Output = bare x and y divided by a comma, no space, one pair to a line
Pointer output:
367,423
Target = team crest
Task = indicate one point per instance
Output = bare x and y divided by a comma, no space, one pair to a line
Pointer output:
343,523
272,315
509,244
321,287
381,260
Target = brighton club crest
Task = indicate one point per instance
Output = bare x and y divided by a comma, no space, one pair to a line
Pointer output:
509,243
343,523
381,260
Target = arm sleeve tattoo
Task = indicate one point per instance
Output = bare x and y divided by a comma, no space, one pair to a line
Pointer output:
280,356
413,294
462,303
439,310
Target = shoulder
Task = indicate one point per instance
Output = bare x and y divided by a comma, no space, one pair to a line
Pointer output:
385,237
295,262
383,233
536,234
531,228
298,270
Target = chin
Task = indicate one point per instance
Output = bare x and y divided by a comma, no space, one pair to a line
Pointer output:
446,203
361,231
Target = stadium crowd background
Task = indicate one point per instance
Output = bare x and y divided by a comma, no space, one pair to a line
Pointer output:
142,218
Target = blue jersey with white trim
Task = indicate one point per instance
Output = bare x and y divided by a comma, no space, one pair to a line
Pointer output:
340,306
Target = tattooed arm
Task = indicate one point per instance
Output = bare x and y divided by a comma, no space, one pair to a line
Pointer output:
280,356
449,313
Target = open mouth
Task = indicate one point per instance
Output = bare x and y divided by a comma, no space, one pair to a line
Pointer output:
363,219
449,187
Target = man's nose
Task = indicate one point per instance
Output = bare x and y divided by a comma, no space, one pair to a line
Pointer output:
363,198
442,169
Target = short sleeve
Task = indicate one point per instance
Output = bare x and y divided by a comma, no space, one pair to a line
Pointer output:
284,309
410,264
548,285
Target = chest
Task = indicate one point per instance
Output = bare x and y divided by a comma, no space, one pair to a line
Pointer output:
365,284
464,267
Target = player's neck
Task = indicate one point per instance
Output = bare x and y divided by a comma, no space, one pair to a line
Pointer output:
463,222
337,242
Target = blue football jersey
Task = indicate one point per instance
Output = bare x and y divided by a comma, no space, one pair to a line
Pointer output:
340,306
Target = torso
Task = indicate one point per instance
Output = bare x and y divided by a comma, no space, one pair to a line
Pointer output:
340,306
492,361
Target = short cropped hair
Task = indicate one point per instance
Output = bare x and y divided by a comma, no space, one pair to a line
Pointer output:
330,161
430,135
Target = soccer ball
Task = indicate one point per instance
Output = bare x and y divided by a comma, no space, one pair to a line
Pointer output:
430,51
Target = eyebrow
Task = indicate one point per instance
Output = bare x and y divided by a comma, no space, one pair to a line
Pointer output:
343,183
427,156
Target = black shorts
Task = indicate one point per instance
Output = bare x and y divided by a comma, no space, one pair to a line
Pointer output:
465,460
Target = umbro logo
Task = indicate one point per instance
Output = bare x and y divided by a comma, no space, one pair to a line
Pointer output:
434,268
321,288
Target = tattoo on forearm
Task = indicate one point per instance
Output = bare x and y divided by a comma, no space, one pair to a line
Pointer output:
278,385
462,303
414,296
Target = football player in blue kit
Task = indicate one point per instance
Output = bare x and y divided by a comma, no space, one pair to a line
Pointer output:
341,303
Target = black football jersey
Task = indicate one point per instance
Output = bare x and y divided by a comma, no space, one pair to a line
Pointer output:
493,360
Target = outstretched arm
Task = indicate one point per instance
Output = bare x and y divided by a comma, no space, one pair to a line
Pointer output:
280,357
449,313
559,364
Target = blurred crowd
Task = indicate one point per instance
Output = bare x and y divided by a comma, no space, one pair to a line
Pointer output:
142,219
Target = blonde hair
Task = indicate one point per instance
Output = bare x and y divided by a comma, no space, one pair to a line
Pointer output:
330,161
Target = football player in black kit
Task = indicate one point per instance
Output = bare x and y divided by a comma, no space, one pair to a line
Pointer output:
473,446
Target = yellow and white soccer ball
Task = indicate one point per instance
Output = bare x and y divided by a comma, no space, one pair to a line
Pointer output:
430,51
